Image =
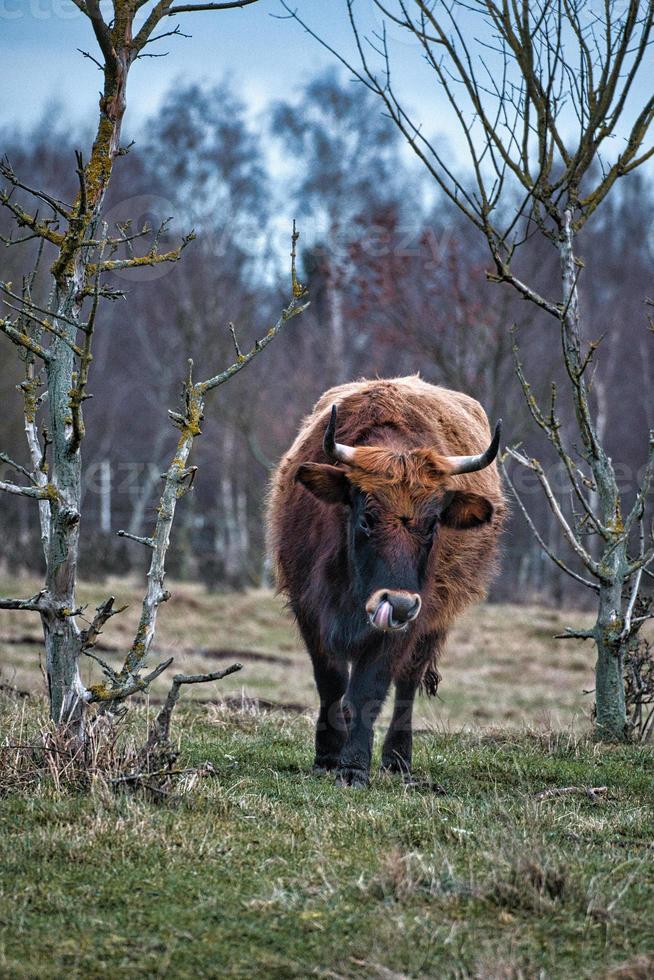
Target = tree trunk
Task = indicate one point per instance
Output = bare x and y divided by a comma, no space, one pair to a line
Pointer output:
611,720
609,682
337,333
61,634
232,545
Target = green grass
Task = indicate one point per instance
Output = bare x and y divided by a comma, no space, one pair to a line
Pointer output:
264,870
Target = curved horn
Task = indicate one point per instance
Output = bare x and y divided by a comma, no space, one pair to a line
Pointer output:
470,464
335,450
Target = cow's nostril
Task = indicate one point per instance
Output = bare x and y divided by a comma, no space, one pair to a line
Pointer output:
388,610
405,606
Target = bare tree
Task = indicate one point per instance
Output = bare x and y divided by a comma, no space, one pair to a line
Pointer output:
347,161
55,337
211,164
554,107
429,305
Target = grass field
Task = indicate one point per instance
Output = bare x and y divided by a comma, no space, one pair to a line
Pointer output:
259,869
262,870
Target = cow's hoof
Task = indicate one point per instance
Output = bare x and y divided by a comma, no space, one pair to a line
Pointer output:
355,778
395,767
324,763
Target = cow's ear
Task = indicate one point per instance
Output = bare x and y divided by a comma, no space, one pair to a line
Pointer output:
464,509
327,483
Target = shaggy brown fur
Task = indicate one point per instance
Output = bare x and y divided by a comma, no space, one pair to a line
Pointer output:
404,428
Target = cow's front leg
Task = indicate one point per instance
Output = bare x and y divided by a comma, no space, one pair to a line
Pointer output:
398,744
368,687
331,727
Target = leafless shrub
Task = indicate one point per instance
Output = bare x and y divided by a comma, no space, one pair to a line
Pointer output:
639,690
113,758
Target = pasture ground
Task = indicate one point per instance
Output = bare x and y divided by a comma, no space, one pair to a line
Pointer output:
259,869
501,665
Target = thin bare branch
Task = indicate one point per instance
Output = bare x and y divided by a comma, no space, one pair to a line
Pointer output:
38,493
21,339
635,587
544,547
24,311
89,56
160,729
293,309
102,32
125,687
533,465
17,466
138,261
551,427
103,614
185,8
28,302
7,171
148,542
35,604
573,634
24,219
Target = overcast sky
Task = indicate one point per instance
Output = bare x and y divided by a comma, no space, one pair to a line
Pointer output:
265,57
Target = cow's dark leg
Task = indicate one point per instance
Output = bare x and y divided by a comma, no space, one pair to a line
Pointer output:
331,727
368,687
398,744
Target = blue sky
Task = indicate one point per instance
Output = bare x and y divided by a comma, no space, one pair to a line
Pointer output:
39,57
263,56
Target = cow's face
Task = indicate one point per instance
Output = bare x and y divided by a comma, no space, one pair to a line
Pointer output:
391,528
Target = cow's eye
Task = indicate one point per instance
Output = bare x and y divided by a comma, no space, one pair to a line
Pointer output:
364,525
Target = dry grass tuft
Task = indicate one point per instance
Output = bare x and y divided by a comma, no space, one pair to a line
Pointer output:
525,882
404,875
112,758
62,760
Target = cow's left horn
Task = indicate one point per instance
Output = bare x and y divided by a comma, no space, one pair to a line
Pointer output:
470,464
336,451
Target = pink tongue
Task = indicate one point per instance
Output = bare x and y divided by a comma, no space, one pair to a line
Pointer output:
382,617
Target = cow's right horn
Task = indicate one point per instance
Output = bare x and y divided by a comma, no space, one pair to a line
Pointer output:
336,451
